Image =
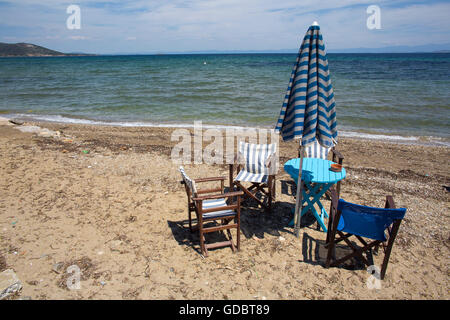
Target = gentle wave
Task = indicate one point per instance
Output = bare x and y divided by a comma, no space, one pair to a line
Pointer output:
62,119
422,140
350,134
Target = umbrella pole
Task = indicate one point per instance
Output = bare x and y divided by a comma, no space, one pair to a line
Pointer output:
299,200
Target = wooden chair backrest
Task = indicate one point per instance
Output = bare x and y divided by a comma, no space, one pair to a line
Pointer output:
256,156
191,188
315,150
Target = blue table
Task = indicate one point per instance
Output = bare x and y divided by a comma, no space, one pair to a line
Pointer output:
318,178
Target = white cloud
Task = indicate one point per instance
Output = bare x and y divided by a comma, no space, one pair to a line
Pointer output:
78,38
193,25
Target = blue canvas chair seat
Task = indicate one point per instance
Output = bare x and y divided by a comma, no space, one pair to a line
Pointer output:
365,221
257,164
347,219
211,205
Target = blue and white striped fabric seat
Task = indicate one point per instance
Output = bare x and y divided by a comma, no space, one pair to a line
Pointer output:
315,150
216,203
255,158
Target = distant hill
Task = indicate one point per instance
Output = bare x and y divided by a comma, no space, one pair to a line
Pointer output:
30,50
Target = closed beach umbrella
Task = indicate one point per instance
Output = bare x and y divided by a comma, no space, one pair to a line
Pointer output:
308,111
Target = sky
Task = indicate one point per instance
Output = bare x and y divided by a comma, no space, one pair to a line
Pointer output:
169,26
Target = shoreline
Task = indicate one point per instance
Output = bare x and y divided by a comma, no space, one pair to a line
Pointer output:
345,133
420,158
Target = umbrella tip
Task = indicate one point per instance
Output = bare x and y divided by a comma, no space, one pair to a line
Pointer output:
315,23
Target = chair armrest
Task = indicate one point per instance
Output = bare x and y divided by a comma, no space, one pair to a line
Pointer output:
219,196
389,202
337,154
209,179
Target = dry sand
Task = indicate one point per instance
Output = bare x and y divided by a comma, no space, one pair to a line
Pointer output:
117,211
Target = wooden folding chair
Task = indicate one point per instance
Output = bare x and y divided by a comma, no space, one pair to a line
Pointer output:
210,205
257,165
379,225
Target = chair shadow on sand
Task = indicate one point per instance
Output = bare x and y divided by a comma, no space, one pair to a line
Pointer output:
255,221
184,237
315,252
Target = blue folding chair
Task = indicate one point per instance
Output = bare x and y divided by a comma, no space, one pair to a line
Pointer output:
378,224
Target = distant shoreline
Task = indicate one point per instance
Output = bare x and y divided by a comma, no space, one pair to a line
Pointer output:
50,56
215,53
32,50
211,54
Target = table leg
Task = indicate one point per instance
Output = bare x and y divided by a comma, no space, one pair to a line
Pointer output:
315,192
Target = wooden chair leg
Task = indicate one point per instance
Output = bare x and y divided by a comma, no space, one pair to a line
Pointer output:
230,173
331,244
202,242
330,223
330,250
269,184
257,187
332,229
387,252
271,194
238,236
230,238
238,222
249,193
190,219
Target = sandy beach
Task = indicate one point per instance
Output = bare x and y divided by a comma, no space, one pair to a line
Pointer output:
108,199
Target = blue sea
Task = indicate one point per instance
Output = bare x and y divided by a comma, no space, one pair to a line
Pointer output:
390,96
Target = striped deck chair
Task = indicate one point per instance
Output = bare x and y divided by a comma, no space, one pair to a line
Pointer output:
256,164
210,205
315,150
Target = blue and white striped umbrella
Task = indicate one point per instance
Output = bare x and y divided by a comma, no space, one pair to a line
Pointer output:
308,110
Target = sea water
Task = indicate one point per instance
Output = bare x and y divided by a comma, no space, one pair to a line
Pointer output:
387,96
